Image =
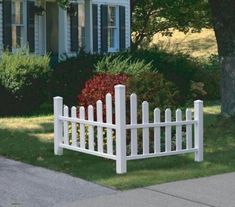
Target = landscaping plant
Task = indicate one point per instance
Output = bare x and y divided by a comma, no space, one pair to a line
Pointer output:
23,81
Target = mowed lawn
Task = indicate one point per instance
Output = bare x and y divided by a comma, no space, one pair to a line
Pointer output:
198,45
30,140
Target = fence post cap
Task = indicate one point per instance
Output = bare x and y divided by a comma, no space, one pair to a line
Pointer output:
57,98
198,101
119,86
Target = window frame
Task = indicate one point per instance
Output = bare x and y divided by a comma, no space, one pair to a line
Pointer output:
116,29
22,25
81,28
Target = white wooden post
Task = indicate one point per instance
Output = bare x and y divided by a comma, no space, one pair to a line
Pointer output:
82,128
157,131
198,116
109,117
178,130
133,108
145,120
66,126
74,127
58,126
120,121
168,131
91,128
188,129
99,110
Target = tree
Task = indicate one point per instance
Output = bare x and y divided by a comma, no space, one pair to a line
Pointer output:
153,16
223,16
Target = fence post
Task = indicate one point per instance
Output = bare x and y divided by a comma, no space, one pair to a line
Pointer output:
120,122
58,108
198,116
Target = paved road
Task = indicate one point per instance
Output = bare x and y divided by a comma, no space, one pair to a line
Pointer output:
215,191
23,185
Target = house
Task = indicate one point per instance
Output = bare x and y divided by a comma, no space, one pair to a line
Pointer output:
45,27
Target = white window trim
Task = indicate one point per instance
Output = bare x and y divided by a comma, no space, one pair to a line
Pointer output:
24,25
116,35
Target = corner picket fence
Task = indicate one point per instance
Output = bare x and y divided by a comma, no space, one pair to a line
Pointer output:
109,140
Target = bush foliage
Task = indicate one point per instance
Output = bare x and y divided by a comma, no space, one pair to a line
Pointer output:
69,76
181,69
97,88
118,64
26,80
155,89
23,81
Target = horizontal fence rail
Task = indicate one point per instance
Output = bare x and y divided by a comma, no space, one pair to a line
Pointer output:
103,130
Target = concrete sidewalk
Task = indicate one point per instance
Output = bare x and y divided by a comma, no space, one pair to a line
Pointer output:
218,191
23,185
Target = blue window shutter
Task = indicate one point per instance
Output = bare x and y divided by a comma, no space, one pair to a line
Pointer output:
122,28
104,28
7,29
74,28
95,27
30,26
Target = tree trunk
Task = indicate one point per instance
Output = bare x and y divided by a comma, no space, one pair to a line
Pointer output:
228,86
223,16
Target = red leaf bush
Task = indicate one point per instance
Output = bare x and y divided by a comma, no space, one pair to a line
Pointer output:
96,89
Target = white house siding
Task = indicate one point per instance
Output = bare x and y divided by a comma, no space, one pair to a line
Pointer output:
36,40
99,27
128,25
68,34
126,4
1,27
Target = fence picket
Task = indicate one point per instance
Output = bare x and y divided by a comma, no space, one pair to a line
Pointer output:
91,128
82,128
74,126
168,131
133,108
109,117
178,130
66,126
157,131
188,129
145,120
99,108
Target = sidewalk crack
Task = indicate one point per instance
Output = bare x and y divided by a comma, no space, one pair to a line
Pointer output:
180,197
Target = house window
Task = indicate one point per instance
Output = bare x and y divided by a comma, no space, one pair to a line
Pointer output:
112,28
81,25
77,22
18,25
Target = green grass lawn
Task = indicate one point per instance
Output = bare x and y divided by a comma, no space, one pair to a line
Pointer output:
29,140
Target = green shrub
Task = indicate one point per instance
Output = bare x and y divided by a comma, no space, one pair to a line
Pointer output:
181,69
24,81
211,81
118,64
155,89
69,76
210,75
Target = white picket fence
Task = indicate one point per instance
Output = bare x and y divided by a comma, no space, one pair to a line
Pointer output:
109,140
